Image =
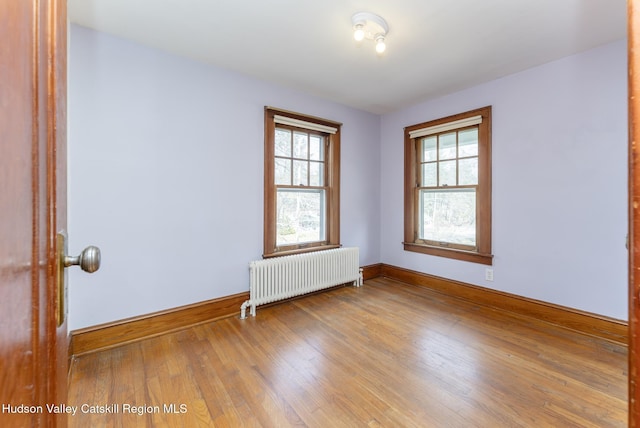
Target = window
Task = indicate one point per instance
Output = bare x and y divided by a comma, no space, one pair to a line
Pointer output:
448,187
302,183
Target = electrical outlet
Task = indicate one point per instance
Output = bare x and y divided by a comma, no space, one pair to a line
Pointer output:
488,274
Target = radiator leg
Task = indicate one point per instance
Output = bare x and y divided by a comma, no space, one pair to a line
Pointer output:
253,310
360,279
243,310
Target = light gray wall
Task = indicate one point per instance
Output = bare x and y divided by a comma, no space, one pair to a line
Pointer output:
559,182
166,176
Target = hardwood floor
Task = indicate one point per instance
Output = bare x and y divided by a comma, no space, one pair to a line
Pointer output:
386,354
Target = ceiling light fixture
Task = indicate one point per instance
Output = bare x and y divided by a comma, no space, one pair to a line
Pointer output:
372,27
358,32
380,44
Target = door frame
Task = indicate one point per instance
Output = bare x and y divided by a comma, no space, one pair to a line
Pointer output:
633,44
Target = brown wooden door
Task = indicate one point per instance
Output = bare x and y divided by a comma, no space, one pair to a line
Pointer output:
33,348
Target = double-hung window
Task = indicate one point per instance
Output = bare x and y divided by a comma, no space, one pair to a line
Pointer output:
448,187
302,183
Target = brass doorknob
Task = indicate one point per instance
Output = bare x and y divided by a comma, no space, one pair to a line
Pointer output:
88,260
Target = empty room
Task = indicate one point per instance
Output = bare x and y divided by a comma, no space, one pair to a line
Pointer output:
345,213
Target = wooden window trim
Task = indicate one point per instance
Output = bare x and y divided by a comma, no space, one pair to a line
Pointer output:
332,156
483,219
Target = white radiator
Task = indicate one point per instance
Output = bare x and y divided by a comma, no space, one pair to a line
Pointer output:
283,277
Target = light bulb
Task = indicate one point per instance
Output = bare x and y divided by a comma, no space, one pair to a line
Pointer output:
358,34
380,45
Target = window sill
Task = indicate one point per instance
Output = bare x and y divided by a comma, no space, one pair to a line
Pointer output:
451,253
301,250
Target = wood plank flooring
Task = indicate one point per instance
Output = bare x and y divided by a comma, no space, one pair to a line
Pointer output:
383,355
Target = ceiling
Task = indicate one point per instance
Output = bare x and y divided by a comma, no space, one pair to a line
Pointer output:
434,47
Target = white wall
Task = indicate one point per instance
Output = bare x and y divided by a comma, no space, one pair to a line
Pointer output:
559,182
166,176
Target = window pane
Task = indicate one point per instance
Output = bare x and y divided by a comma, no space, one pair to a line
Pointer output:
448,216
283,171
283,142
300,173
429,148
448,146
316,172
316,147
447,173
300,145
468,171
429,174
468,142
300,216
